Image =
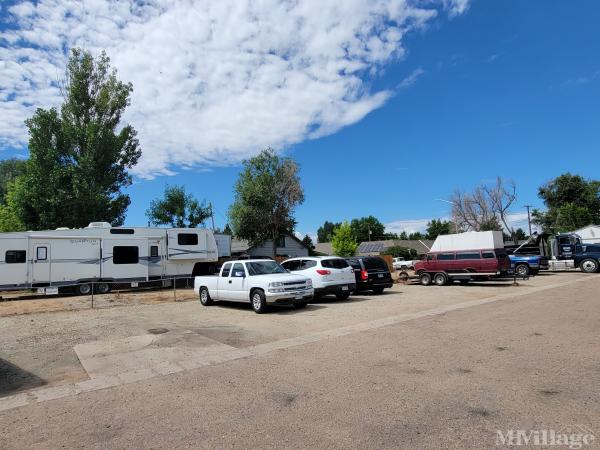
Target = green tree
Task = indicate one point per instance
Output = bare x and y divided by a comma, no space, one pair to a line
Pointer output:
344,242
325,232
9,221
308,243
403,236
399,251
80,156
490,224
266,193
178,209
417,235
572,202
520,234
368,228
227,230
10,169
437,227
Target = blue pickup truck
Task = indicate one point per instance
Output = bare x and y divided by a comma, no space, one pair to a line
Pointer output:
525,265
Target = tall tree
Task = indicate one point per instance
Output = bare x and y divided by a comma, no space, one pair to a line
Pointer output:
344,242
572,202
368,229
486,208
325,232
10,169
178,209
227,230
266,194
79,156
308,243
437,227
403,236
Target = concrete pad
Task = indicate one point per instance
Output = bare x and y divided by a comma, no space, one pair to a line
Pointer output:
97,383
15,401
55,392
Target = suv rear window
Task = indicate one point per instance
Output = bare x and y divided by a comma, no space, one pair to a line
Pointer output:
355,263
337,263
375,264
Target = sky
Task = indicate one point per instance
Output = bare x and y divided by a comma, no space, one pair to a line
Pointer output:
388,106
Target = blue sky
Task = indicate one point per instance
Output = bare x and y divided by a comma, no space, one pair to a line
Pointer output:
506,89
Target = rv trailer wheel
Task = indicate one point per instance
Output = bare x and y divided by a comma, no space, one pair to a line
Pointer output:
84,289
103,288
589,265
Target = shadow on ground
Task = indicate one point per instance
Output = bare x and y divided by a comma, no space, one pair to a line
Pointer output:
14,379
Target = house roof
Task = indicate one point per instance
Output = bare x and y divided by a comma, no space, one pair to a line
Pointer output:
324,247
370,247
242,245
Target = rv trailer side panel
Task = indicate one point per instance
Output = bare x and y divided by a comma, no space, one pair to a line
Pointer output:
14,262
125,259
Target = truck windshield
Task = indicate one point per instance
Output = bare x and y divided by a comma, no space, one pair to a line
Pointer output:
264,268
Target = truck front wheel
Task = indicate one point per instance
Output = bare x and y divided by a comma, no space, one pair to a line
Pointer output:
589,265
205,297
259,302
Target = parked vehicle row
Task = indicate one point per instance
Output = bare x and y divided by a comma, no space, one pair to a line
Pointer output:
295,281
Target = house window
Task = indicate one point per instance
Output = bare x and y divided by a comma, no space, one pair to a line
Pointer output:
187,239
42,253
126,255
154,251
15,256
281,242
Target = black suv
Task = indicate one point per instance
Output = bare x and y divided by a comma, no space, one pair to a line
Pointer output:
371,272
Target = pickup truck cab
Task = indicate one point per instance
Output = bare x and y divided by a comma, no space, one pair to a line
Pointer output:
400,263
259,282
525,265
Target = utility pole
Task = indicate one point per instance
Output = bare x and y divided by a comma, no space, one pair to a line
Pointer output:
528,218
212,217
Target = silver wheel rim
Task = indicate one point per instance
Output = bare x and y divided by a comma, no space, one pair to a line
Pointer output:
589,266
439,280
256,301
84,289
203,295
521,270
103,288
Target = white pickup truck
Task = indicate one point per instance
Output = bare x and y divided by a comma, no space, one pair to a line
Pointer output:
257,281
402,264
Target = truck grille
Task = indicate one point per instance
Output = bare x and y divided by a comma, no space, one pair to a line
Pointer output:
294,285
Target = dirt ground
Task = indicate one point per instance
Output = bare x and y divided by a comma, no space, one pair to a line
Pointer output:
39,336
419,367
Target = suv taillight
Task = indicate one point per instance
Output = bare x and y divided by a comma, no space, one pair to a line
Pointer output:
364,275
323,272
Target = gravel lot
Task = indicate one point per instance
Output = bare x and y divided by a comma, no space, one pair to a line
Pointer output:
37,349
526,360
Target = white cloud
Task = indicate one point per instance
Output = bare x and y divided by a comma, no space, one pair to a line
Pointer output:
214,81
409,226
411,79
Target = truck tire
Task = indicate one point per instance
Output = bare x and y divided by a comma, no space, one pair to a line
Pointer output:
259,301
522,270
425,279
589,265
300,305
378,290
205,297
440,279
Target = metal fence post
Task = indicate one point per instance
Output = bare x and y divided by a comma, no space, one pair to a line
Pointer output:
174,289
92,295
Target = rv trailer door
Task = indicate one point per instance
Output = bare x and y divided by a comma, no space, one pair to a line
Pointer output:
41,263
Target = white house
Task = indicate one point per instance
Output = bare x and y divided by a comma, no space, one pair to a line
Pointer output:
589,234
288,245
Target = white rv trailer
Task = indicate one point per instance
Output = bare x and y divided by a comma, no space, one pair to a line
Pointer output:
101,252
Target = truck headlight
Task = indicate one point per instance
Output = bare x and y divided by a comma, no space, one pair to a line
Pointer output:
276,286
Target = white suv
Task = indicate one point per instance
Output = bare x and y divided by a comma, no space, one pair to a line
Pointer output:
329,274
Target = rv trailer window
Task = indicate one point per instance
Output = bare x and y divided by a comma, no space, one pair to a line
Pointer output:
154,251
126,255
15,256
187,239
121,231
42,253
